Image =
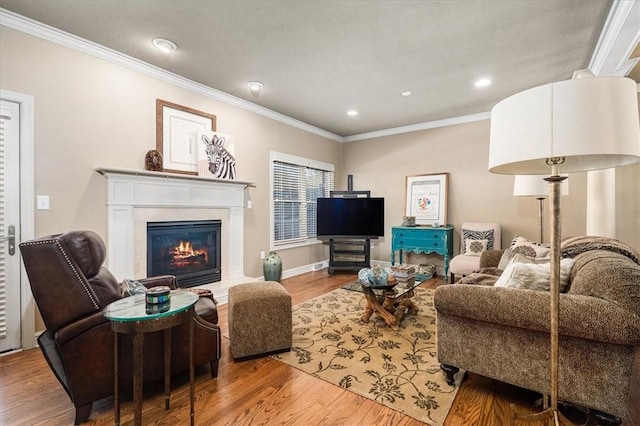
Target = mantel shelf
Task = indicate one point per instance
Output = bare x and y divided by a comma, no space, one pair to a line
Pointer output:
106,171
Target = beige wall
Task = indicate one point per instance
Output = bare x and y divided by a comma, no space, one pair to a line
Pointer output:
90,113
475,195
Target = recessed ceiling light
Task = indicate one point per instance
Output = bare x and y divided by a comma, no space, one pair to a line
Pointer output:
407,93
352,113
164,45
255,87
483,82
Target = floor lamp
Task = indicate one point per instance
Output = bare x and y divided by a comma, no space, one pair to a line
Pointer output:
535,186
569,126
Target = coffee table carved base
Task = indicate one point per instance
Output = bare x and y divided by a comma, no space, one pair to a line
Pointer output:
388,307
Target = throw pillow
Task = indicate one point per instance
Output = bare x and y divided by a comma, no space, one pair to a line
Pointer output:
468,234
529,248
521,258
475,247
131,287
507,255
532,276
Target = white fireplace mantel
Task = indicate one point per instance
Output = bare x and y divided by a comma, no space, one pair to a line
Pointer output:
133,194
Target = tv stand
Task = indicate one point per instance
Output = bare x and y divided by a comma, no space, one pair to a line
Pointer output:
349,254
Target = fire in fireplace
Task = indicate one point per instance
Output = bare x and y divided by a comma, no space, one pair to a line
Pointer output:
190,250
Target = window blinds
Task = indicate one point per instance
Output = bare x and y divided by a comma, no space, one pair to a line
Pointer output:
295,189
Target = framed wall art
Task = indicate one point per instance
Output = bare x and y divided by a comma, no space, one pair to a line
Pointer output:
177,130
426,199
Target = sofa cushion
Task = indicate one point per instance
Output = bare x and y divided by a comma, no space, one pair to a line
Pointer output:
506,257
608,275
532,276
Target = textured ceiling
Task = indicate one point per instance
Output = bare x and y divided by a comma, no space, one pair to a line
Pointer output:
318,59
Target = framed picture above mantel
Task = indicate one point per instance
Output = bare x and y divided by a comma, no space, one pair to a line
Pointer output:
426,199
177,130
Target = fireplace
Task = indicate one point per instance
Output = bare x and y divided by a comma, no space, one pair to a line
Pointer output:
137,197
190,250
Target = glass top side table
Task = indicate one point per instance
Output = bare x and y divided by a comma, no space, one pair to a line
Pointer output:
129,316
133,308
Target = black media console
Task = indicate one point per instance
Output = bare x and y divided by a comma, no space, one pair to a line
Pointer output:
349,254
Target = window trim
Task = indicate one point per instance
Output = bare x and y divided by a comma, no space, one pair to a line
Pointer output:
298,161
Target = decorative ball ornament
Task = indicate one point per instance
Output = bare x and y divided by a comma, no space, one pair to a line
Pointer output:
363,276
153,161
378,276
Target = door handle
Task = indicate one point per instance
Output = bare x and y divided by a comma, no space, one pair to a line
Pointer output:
11,238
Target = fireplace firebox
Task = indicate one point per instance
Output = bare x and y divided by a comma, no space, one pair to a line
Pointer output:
190,250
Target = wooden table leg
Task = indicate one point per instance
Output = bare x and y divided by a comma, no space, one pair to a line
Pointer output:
116,374
167,368
138,343
373,305
191,373
368,311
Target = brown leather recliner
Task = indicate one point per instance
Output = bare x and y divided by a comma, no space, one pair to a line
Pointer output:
71,287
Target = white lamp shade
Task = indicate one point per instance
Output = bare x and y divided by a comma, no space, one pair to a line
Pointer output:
592,122
535,186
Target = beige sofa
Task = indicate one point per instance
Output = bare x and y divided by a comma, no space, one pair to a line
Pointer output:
503,333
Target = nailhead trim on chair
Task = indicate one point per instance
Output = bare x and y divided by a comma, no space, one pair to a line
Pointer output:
213,329
75,272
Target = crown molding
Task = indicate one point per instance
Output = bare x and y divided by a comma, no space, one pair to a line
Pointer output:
419,126
620,35
54,35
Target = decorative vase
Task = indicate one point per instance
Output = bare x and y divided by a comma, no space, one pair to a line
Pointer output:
272,267
153,161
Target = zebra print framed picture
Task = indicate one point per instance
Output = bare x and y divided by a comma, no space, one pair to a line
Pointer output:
216,156
426,199
177,130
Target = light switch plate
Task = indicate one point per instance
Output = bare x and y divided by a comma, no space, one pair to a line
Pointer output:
42,202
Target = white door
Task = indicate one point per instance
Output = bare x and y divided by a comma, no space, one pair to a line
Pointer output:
9,226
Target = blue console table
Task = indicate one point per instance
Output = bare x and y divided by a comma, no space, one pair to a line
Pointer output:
422,239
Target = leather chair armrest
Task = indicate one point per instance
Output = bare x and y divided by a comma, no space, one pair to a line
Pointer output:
579,316
74,329
206,310
490,258
160,280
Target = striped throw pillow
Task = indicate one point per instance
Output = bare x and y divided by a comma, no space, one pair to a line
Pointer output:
468,234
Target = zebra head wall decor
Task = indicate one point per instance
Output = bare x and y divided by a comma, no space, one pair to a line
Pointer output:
221,163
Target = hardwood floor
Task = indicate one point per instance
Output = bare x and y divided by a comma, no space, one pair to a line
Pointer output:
255,392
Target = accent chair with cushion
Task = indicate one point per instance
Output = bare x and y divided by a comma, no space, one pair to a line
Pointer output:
475,238
71,287
502,332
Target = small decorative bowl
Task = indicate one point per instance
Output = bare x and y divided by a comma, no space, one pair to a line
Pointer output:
408,221
157,300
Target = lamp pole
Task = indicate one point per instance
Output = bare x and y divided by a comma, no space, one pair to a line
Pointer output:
540,216
554,209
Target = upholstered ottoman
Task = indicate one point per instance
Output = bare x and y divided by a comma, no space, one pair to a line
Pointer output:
259,319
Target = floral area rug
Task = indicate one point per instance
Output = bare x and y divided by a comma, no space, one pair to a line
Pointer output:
398,369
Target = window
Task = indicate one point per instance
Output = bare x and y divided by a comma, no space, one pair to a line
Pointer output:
295,184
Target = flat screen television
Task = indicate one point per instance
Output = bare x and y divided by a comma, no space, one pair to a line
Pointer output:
350,217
